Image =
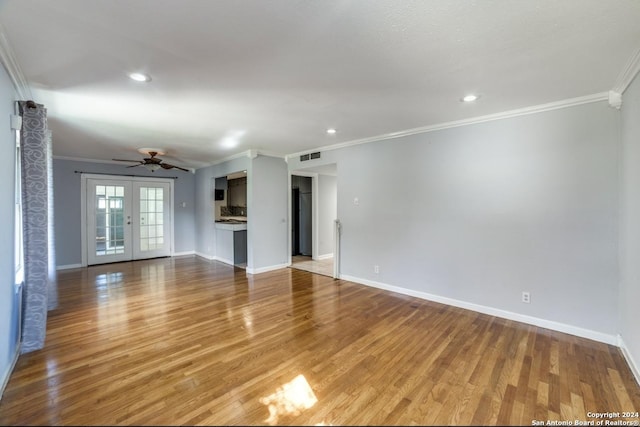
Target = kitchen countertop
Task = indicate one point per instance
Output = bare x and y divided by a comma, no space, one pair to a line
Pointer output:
231,224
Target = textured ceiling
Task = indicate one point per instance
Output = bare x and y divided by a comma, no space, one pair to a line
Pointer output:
234,75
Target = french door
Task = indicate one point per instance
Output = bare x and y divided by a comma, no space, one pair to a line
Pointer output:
127,219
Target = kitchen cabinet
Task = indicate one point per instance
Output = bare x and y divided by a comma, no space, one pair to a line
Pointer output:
240,247
231,243
237,192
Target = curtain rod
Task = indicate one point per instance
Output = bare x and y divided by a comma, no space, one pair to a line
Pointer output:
118,174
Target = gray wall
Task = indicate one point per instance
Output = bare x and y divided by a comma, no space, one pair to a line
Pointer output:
482,212
327,212
266,206
67,205
8,307
630,223
268,230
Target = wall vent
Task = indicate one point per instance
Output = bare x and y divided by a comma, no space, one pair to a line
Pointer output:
305,157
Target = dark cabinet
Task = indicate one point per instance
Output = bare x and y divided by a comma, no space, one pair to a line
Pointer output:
240,247
237,192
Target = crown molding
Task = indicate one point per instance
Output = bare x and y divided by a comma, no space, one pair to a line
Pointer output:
252,154
83,159
246,153
597,97
8,59
628,73
108,162
615,99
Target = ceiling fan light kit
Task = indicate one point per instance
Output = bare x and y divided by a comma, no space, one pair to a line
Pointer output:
152,162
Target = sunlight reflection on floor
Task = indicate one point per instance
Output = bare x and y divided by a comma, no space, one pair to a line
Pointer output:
290,399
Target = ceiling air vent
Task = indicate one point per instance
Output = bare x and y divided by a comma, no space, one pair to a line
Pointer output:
306,157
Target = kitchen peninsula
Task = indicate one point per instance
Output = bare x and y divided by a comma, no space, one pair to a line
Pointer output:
231,242
230,213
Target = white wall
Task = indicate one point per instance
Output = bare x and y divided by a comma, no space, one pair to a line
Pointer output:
327,213
477,214
8,307
630,226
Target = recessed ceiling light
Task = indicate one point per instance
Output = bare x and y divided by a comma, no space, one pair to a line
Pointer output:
140,77
331,131
470,98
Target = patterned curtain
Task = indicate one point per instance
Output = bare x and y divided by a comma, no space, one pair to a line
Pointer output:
37,198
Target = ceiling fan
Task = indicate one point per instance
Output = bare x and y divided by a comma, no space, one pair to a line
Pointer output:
152,163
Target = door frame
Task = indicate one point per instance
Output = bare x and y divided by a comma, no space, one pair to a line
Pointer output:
83,205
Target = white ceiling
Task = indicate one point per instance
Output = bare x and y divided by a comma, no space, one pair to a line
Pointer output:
234,75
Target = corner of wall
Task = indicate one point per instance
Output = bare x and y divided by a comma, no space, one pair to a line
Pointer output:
633,366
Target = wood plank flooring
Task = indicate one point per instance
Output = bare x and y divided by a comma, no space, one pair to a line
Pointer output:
322,266
186,341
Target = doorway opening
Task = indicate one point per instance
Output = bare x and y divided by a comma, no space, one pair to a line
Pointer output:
313,197
302,217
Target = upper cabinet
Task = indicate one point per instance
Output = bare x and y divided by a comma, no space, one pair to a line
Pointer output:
237,192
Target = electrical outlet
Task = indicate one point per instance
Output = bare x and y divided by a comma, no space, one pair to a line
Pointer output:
376,269
356,201
526,297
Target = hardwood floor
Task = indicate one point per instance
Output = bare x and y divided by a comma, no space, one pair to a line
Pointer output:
323,266
186,341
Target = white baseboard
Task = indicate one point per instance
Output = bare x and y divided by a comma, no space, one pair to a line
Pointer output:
205,256
183,253
325,256
68,266
7,373
536,321
265,269
627,355
226,261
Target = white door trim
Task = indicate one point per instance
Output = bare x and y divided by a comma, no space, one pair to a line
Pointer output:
83,205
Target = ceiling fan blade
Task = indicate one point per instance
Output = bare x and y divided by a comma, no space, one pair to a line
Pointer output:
133,166
170,166
126,160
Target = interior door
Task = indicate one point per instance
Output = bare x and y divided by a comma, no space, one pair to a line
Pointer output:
295,226
151,220
127,220
108,221
305,224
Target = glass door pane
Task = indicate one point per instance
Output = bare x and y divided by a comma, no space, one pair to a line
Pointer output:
151,218
151,235
108,221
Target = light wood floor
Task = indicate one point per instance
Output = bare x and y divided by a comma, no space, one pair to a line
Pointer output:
323,266
185,341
